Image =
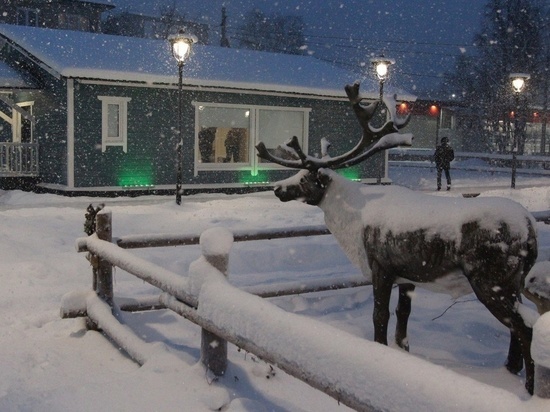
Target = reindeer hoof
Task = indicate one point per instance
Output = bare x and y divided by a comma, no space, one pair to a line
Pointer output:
403,344
514,367
530,386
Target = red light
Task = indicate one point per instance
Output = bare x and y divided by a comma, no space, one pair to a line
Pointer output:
434,109
403,108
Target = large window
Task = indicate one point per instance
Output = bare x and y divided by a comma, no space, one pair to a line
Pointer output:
227,134
114,122
277,126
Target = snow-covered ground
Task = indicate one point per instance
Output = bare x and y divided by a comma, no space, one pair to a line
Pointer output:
53,364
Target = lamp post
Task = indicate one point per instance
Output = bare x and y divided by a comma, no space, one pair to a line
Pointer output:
381,67
518,84
181,44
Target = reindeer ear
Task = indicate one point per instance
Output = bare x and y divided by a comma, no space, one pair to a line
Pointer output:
323,175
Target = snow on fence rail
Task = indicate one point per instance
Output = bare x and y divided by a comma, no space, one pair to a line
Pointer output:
354,371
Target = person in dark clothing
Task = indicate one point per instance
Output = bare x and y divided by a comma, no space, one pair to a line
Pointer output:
444,154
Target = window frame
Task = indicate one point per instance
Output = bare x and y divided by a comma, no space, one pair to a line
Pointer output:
122,139
27,13
253,164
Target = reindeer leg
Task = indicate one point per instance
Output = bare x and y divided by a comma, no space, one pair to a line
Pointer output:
402,313
514,362
501,302
521,337
381,286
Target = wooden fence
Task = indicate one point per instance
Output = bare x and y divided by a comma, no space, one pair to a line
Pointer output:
354,383
494,159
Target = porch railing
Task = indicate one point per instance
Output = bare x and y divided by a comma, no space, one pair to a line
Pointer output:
18,159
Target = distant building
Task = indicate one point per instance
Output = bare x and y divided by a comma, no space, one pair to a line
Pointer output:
126,23
55,14
432,119
94,113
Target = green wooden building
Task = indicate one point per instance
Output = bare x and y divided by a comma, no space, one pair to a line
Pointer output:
88,113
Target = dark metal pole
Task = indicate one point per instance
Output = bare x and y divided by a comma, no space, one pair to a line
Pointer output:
179,147
438,125
381,170
515,143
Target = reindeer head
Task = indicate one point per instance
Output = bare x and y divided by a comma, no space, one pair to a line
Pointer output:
311,183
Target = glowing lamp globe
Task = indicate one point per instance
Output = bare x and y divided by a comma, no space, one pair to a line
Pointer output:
181,45
518,81
381,66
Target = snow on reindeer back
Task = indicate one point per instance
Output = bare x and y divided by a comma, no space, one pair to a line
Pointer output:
399,210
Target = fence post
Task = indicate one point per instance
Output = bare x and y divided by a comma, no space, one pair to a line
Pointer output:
541,355
104,268
214,348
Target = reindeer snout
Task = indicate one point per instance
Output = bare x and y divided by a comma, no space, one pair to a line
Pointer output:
282,194
279,191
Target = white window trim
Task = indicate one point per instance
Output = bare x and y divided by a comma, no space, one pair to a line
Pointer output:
122,103
18,122
255,165
19,111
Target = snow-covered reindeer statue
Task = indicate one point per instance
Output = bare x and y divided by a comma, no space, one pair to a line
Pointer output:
398,236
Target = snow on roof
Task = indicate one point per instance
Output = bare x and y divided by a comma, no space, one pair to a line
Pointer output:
119,58
102,2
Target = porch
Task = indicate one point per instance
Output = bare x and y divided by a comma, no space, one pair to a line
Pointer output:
18,159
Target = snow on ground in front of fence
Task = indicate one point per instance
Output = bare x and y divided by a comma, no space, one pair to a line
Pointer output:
53,364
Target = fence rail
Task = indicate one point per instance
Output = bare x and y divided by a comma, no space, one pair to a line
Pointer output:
354,382
496,161
18,159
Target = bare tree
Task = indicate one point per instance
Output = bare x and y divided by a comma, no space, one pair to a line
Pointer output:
171,20
510,40
542,78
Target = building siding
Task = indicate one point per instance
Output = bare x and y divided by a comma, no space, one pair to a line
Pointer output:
152,136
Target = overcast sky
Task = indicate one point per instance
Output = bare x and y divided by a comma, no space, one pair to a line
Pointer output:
423,36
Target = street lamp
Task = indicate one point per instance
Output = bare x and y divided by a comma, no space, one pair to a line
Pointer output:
181,44
518,84
381,67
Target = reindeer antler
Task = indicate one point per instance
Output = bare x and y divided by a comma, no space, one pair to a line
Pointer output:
372,141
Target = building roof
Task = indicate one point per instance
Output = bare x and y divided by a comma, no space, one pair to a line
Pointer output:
12,79
97,56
